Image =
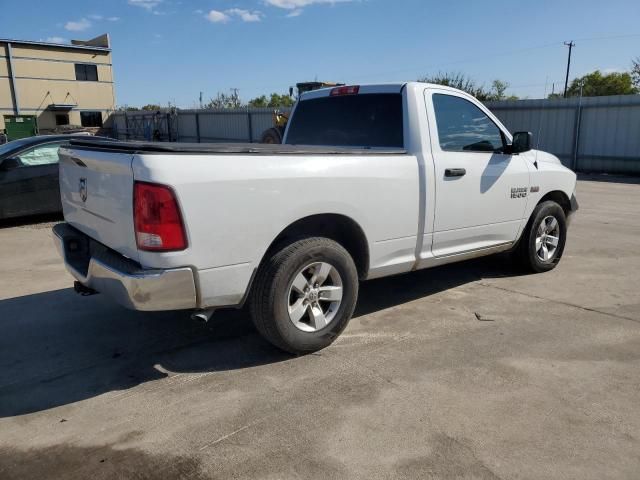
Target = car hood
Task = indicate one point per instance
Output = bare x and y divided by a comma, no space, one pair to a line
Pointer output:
545,157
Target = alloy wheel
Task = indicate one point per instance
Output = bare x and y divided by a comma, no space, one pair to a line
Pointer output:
315,296
547,238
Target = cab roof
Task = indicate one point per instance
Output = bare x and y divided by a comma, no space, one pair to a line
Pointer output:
393,87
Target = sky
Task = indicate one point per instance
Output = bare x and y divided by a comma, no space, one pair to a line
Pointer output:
171,50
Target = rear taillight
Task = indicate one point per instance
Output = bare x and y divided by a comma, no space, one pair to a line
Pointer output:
157,218
347,90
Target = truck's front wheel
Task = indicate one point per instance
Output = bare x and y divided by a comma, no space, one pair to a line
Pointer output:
304,295
543,240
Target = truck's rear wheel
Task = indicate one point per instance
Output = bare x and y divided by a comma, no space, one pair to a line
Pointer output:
542,243
304,295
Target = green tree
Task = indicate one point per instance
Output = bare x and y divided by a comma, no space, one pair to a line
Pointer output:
275,100
281,100
459,81
498,90
596,84
224,100
151,107
466,84
635,72
259,102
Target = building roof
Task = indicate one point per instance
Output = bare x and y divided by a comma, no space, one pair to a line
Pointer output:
99,44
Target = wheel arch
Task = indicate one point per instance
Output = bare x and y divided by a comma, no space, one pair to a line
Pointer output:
557,196
340,228
560,198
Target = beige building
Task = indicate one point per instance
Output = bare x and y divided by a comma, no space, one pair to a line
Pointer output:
45,85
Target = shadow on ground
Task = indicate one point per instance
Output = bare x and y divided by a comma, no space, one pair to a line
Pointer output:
105,461
32,221
58,348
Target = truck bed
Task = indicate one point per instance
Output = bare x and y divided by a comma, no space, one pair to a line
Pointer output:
226,148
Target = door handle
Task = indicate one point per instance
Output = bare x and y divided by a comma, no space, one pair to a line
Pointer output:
455,172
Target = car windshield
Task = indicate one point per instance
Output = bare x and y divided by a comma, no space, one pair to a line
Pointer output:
16,145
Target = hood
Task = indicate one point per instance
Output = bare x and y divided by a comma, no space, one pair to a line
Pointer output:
545,157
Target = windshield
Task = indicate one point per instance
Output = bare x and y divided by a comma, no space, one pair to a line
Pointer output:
368,120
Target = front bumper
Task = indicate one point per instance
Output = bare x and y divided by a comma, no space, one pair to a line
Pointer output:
106,271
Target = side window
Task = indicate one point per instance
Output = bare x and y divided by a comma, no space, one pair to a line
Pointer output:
40,155
463,127
86,72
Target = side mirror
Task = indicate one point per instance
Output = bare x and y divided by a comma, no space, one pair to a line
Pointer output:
291,91
522,142
9,164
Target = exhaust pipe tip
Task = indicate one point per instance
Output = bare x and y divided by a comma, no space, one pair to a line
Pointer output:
203,315
83,289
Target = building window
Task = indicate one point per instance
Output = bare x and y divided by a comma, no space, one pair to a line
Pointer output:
91,119
62,119
87,73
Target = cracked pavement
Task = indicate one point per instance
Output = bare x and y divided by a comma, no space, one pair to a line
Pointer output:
469,371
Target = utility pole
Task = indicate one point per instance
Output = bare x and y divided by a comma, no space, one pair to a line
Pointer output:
570,44
200,100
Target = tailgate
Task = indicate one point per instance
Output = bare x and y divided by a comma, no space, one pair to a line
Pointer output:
96,188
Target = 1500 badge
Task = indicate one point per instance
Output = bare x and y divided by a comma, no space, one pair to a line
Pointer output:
519,192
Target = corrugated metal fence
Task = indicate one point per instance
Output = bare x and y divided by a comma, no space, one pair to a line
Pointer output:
592,134
596,134
206,126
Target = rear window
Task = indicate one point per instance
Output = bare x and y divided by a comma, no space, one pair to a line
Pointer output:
368,120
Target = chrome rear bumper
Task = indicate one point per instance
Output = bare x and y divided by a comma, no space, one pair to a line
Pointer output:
105,271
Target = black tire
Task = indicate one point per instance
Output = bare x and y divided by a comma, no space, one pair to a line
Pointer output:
527,252
271,136
270,298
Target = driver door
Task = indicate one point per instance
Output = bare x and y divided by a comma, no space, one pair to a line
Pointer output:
475,205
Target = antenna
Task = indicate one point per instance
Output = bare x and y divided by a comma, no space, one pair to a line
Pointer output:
539,134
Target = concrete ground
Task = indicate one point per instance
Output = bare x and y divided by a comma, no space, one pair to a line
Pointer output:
466,371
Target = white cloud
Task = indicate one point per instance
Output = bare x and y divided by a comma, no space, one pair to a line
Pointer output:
146,4
245,15
113,19
294,13
298,4
216,16
56,40
95,17
77,25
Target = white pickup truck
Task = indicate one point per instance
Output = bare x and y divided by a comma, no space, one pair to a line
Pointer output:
372,181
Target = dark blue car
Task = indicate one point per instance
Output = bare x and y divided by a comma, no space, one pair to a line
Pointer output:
29,175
